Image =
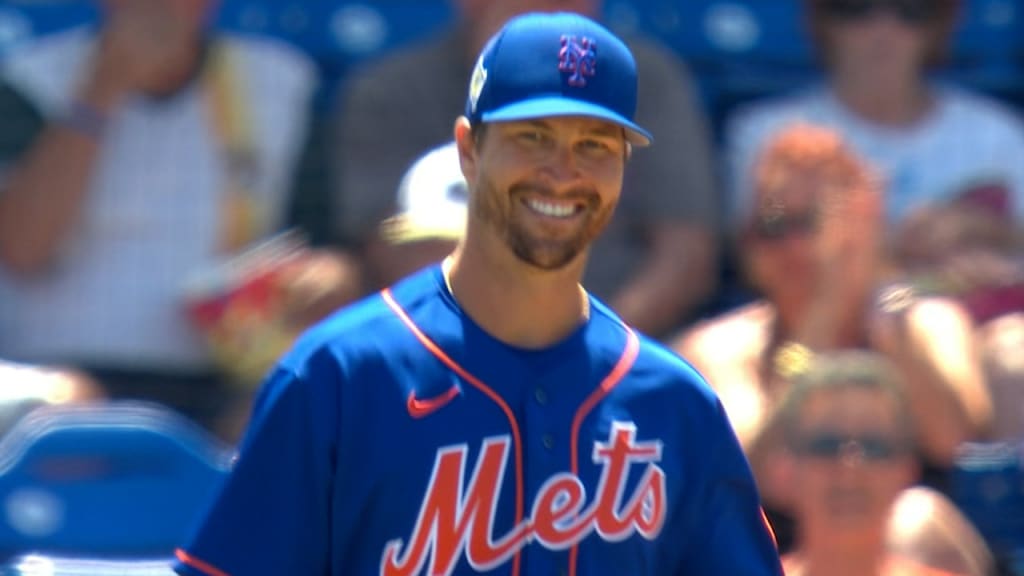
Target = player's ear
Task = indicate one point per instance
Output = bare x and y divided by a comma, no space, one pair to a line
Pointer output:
465,141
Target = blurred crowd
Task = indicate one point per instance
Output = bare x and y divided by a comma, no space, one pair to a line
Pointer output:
842,260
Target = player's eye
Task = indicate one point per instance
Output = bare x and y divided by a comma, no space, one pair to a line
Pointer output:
532,136
594,145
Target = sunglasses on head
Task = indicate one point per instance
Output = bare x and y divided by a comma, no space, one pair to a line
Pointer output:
912,11
833,446
779,225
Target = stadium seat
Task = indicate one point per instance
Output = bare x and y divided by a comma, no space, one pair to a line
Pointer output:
122,479
988,485
337,33
990,33
988,49
720,32
738,50
21,20
39,565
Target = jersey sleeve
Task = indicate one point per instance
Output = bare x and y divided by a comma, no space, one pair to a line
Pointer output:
272,515
731,533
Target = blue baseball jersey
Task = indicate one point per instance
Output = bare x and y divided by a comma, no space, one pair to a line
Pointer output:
398,437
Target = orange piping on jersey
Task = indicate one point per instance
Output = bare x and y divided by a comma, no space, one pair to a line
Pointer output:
198,564
440,354
629,354
768,525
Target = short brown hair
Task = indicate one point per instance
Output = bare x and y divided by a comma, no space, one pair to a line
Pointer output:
830,371
941,28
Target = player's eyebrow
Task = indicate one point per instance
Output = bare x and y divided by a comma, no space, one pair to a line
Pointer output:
601,128
592,126
539,123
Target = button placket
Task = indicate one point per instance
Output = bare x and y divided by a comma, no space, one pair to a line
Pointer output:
541,396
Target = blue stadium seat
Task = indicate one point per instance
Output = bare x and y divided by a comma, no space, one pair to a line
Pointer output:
24,19
39,565
720,32
988,49
990,33
337,34
988,486
113,480
738,50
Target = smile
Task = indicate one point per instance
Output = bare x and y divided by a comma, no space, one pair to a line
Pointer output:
552,209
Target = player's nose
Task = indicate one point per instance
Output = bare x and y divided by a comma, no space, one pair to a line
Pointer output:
561,167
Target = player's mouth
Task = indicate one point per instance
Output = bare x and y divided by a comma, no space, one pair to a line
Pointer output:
554,209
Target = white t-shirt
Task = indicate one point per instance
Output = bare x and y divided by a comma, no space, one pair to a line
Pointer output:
965,141
153,210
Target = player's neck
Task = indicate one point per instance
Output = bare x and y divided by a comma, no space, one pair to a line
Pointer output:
521,307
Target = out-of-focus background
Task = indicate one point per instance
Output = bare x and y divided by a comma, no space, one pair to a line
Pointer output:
186,185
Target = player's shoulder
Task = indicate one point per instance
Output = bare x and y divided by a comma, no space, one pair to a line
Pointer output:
655,368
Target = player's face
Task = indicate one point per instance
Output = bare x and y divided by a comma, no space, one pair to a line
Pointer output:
547,187
851,462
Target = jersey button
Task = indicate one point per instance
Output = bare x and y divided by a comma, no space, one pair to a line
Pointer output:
541,396
548,440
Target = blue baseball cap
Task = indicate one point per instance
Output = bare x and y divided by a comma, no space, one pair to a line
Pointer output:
555,64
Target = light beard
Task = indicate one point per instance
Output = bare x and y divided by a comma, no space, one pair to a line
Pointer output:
543,253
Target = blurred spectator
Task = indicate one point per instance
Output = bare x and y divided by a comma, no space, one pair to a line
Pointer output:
656,264
811,247
933,144
849,459
929,528
431,217
24,387
952,163
134,156
1002,343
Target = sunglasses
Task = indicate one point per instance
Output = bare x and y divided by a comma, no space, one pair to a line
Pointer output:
834,446
910,11
779,225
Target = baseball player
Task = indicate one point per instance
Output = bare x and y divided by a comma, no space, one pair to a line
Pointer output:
487,415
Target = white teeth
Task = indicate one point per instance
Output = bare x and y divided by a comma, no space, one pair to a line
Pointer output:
551,209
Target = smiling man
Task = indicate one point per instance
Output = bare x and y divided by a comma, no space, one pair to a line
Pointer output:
655,263
488,414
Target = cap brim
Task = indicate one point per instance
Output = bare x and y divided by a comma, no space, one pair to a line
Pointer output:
405,228
546,107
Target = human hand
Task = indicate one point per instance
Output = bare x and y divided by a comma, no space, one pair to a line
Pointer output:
317,283
929,234
847,243
847,259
